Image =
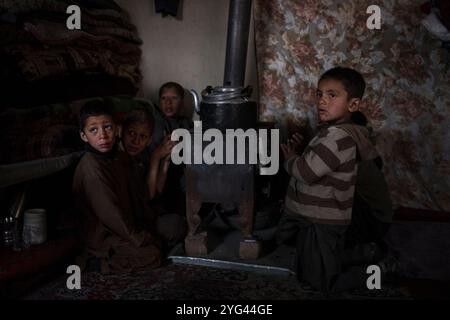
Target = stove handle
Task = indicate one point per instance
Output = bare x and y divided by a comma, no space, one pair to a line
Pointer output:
196,100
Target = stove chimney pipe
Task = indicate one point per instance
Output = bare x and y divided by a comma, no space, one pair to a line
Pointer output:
237,42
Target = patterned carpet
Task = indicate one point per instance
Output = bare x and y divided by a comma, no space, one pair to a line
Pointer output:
188,282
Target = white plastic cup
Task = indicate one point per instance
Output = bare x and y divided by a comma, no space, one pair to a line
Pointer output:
35,225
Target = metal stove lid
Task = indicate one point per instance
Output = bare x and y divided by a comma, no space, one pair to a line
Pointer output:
225,94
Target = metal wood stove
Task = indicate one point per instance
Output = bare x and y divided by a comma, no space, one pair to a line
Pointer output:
222,108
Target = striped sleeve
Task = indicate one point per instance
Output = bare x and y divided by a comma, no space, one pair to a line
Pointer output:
325,153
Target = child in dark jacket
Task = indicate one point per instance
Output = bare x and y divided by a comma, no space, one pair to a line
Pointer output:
152,170
168,118
109,200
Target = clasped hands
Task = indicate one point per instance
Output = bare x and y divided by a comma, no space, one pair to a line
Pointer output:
293,146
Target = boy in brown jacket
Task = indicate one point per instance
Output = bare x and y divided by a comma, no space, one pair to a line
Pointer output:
109,199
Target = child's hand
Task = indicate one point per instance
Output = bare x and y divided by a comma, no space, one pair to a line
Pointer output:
296,141
166,163
165,148
288,150
293,145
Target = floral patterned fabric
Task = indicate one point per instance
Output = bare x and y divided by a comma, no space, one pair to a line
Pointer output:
407,97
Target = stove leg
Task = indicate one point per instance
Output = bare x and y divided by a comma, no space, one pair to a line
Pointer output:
246,216
249,248
195,243
193,218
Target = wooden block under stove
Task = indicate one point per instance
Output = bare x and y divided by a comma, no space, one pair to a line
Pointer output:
196,244
249,249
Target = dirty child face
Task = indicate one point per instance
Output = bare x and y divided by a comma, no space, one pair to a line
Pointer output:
333,104
170,102
136,137
100,132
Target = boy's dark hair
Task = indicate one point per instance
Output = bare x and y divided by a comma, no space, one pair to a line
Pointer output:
141,115
94,108
351,79
172,85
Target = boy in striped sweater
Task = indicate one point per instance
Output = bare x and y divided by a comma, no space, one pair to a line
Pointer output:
319,200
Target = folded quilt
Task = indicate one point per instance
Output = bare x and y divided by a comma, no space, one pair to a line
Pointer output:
34,64
53,31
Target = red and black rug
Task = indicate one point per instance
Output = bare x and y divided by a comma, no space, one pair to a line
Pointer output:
189,282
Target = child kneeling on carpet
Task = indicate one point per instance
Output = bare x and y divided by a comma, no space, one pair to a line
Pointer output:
137,129
319,200
109,199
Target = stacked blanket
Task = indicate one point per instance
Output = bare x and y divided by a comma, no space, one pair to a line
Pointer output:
41,61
